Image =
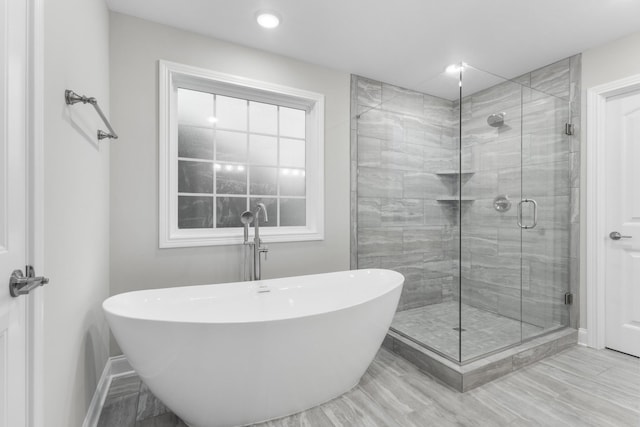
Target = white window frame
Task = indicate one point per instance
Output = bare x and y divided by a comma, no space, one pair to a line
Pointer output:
173,75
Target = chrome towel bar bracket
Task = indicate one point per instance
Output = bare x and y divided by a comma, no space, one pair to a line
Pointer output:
71,98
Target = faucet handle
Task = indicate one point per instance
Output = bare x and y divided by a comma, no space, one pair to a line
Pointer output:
265,251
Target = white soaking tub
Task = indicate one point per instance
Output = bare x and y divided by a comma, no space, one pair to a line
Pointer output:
238,353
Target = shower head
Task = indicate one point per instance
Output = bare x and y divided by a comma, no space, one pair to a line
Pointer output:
496,120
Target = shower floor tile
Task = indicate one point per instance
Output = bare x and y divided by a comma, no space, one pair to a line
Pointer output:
482,331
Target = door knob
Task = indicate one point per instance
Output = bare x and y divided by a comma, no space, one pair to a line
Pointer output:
614,235
19,284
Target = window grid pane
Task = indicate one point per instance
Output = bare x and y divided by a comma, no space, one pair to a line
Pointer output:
273,139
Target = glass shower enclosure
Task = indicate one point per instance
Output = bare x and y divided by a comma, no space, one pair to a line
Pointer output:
464,187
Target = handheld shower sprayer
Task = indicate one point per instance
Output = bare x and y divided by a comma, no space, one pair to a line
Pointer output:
246,218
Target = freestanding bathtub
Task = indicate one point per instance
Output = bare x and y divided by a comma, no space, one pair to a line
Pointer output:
238,353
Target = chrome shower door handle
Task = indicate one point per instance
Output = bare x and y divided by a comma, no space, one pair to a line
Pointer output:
535,214
519,216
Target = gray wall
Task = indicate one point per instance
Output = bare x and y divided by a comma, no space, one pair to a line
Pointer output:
403,142
76,208
136,260
603,64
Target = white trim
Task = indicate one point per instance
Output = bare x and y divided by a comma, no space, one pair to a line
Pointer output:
120,366
595,257
170,75
582,337
35,210
99,396
115,367
233,85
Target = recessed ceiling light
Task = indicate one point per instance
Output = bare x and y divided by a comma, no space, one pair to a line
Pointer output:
268,19
212,119
454,68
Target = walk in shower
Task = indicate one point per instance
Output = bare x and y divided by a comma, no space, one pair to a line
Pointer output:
468,186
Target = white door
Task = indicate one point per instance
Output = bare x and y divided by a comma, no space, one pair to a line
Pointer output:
622,186
13,188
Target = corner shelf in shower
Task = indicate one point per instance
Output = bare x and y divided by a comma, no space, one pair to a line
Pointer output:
454,172
451,173
454,199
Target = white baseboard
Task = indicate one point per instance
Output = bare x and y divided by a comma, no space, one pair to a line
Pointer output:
582,337
120,366
115,367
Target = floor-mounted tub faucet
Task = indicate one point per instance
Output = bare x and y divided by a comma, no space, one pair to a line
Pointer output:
257,242
247,218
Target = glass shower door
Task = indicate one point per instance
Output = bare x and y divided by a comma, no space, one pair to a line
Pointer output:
490,194
546,181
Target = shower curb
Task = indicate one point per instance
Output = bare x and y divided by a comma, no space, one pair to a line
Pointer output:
471,375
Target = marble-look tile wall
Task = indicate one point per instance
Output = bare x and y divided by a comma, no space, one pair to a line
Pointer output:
401,140
403,145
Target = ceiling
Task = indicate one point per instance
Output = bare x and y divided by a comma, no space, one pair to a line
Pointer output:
405,42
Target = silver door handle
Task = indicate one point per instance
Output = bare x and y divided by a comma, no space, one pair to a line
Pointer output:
535,214
614,235
22,285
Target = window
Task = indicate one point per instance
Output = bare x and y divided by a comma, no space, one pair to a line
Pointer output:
228,143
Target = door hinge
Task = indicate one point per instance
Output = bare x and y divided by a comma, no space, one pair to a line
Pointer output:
569,129
568,298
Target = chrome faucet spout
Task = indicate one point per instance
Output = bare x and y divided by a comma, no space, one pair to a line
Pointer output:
262,207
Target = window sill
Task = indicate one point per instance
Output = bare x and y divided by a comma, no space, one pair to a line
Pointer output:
196,238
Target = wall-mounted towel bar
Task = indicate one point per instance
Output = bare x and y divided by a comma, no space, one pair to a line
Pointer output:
73,98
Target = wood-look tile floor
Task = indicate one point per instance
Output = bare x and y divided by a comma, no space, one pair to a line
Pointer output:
578,387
